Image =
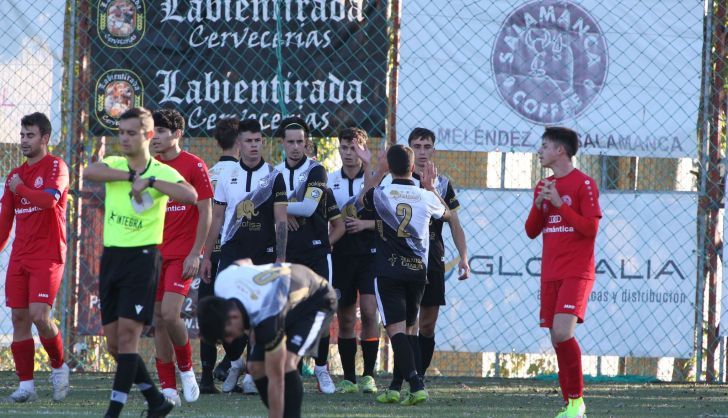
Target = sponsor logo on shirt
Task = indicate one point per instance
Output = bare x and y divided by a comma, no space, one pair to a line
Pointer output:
554,219
558,229
24,201
43,295
246,209
176,208
571,307
126,221
28,210
404,195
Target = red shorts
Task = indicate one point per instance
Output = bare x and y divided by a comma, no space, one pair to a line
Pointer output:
32,281
568,296
171,279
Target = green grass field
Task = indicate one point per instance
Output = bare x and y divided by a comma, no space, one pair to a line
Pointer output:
451,397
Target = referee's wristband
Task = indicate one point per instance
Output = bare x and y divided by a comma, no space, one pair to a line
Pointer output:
132,174
151,179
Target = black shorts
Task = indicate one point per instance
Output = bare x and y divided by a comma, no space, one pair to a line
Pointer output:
398,300
351,274
320,264
435,289
304,326
128,282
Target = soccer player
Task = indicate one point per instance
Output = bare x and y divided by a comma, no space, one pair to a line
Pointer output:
137,190
185,231
308,238
250,202
352,273
285,308
402,212
35,196
566,210
422,142
226,134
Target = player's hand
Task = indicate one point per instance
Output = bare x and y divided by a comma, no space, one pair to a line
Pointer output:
552,195
292,223
353,225
206,270
191,266
15,181
463,269
540,195
138,187
429,175
362,151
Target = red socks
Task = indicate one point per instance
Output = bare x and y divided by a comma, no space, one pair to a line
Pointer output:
184,356
54,347
571,377
23,353
167,375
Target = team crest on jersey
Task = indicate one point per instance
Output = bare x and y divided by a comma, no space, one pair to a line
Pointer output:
567,199
38,182
246,209
302,177
121,23
116,92
263,182
549,60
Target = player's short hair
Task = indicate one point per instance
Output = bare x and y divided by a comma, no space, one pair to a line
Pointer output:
422,133
170,119
226,132
37,119
356,135
212,313
563,136
249,125
400,159
293,123
144,115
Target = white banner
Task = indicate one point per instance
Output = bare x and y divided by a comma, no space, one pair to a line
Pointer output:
31,64
487,76
642,303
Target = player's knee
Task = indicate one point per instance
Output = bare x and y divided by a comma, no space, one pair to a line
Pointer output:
559,335
427,328
346,324
41,319
20,317
256,369
170,317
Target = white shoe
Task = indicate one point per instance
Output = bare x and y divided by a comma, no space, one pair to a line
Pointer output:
248,385
189,386
59,379
236,368
23,396
325,384
172,395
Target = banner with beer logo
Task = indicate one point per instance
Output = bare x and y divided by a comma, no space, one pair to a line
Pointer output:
643,300
488,76
323,60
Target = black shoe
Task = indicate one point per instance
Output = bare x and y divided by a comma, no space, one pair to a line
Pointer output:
209,388
161,410
221,371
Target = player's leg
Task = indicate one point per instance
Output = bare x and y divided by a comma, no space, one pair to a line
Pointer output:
343,276
208,352
231,366
432,299
413,297
176,289
369,325
22,347
322,267
570,309
44,281
164,361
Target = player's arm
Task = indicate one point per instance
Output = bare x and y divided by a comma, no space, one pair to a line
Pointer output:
337,230
191,264
458,237
534,222
354,225
280,215
217,219
371,179
585,225
181,191
7,215
47,197
429,175
315,189
103,173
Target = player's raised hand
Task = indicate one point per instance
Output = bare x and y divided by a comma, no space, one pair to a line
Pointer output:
362,151
138,187
540,193
382,164
552,195
15,181
429,175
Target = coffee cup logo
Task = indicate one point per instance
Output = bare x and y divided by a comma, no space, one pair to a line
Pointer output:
121,23
549,61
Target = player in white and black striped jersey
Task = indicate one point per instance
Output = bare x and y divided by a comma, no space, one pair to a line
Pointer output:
402,213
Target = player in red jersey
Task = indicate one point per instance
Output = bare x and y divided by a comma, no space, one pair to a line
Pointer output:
185,230
566,210
35,196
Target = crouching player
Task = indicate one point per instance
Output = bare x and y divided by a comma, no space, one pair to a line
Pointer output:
284,308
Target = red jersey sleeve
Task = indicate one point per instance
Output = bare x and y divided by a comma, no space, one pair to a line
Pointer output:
56,177
7,213
201,182
589,199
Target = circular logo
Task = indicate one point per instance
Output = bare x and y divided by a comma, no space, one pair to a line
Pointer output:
263,182
38,182
549,60
121,23
117,91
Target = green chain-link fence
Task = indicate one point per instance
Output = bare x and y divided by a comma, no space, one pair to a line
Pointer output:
642,82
